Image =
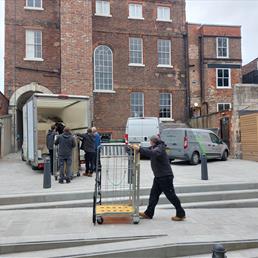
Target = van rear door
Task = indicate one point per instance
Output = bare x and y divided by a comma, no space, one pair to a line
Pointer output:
174,140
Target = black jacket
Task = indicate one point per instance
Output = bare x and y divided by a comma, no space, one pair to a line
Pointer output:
50,139
88,142
159,160
66,144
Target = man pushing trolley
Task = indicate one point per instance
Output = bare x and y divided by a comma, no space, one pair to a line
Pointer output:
117,183
163,178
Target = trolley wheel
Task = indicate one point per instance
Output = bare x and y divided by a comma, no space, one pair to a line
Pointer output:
100,220
136,219
78,174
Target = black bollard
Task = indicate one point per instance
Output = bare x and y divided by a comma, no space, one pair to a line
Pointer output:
218,251
204,167
47,173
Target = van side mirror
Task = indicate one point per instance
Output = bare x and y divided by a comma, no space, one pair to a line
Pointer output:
220,141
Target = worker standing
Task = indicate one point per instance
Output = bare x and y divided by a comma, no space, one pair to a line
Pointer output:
66,144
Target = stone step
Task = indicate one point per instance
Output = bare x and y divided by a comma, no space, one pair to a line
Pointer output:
225,199
136,249
83,195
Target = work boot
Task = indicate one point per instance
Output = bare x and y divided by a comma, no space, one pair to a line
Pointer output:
176,218
143,215
61,181
85,173
68,180
89,174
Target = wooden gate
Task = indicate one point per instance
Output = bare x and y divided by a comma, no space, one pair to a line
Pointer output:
249,136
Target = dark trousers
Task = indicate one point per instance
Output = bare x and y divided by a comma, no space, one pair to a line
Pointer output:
89,161
68,162
163,185
51,154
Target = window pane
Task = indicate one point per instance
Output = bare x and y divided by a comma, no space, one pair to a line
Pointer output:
103,68
102,7
137,104
164,52
165,105
135,49
163,13
30,3
38,3
222,47
135,11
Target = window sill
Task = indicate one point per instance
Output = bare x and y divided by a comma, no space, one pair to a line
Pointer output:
103,15
33,8
104,91
224,88
166,119
33,59
136,65
222,57
163,20
165,66
135,18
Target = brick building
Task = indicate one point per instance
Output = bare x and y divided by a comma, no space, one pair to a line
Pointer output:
129,56
3,104
214,66
250,72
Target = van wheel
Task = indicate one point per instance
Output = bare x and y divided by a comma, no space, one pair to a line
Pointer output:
224,155
195,159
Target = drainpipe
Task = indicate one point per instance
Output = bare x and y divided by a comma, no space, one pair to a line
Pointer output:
187,77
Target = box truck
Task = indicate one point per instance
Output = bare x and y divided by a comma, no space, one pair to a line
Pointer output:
43,110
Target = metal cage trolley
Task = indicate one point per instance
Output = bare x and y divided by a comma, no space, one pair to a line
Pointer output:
117,183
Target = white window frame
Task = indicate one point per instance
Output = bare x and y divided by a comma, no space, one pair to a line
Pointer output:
171,108
224,103
28,58
134,17
229,79
170,55
136,64
27,7
102,14
141,105
217,47
164,20
102,90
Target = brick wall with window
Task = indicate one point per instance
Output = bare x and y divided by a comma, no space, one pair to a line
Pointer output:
148,60
32,44
214,66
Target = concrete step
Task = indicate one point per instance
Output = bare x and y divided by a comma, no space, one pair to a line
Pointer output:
83,195
244,198
136,249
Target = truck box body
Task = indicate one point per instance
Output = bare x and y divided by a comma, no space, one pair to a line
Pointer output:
43,110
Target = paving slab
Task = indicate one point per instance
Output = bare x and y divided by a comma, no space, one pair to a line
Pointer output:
16,177
200,226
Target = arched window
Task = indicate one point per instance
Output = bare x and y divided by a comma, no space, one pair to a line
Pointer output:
103,68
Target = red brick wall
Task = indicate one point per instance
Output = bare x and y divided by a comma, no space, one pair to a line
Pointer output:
198,69
45,73
3,105
76,47
112,110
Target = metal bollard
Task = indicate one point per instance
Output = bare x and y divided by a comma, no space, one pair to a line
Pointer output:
218,251
204,167
47,174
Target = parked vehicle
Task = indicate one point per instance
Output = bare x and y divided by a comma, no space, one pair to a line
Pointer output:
140,129
188,144
43,110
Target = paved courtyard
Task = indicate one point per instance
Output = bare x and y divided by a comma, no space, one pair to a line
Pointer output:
70,224
16,177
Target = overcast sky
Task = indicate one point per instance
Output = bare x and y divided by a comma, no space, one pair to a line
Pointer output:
232,12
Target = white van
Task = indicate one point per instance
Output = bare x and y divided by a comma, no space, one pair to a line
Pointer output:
140,129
